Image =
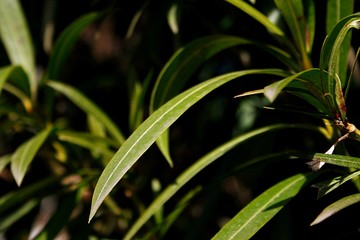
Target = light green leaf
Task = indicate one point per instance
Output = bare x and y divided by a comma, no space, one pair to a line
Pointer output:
198,166
258,16
293,13
309,8
339,160
259,211
88,107
15,35
25,153
64,44
146,134
336,207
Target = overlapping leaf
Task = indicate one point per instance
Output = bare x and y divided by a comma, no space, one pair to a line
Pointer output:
146,134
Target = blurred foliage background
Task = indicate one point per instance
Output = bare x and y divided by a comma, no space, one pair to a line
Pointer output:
127,48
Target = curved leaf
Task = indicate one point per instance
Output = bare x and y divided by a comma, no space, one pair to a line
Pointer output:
146,134
198,166
16,38
20,84
259,211
89,107
65,43
258,16
294,15
336,207
25,153
337,10
182,65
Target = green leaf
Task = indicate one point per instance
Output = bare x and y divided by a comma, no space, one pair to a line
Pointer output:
16,38
339,160
4,161
88,107
198,166
182,65
19,87
337,10
307,86
330,52
146,134
336,207
64,44
327,186
12,199
25,153
259,211
17,214
293,13
309,8
258,16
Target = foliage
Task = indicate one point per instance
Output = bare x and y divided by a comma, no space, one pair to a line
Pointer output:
70,161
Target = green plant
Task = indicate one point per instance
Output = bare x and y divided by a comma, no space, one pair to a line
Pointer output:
71,172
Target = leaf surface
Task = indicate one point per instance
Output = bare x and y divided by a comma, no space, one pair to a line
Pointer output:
146,134
259,211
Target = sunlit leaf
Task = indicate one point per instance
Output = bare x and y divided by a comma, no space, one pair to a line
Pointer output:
336,207
4,161
89,107
15,35
339,160
65,43
25,154
146,134
309,10
263,208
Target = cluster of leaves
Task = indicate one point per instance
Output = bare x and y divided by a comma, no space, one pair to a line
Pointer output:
113,154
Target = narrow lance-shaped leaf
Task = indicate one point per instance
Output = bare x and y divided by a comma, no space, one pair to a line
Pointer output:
293,13
89,107
146,134
24,154
65,43
182,65
336,207
253,12
15,35
339,160
337,10
259,211
329,56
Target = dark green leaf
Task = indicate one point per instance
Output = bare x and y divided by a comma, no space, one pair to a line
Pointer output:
65,43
